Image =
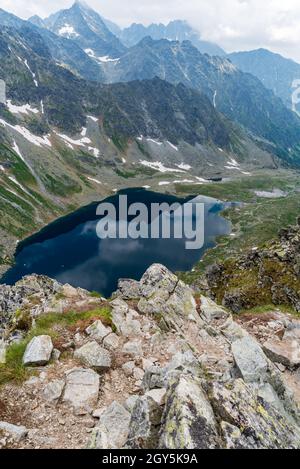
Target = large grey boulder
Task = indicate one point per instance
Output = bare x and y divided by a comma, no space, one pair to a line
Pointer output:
188,420
38,351
82,389
144,424
98,331
94,356
113,428
250,359
16,432
257,424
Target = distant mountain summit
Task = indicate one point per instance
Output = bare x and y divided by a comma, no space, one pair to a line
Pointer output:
85,27
174,31
274,71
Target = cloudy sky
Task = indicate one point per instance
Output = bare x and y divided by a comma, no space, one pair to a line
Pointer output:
234,24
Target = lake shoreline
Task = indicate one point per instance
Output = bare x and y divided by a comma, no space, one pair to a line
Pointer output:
73,217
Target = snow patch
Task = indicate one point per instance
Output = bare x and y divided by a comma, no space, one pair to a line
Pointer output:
81,142
158,166
36,140
68,30
172,146
17,150
183,166
104,59
184,181
32,73
94,180
151,140
164,183
25,109
215,98
95,151
94,119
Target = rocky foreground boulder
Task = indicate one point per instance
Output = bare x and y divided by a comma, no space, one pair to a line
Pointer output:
163,370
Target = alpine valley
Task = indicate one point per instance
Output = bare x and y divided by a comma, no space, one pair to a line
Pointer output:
207,358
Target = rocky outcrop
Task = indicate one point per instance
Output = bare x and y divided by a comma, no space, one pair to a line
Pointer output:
167,372
270,275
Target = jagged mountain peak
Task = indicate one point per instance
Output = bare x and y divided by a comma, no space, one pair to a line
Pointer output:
83,25
176,30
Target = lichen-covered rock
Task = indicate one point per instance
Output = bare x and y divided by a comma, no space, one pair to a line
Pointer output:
144,424
250,359
188,420
113,428
233,437
157,277
128,289
260,424
164,295
38,351
94,356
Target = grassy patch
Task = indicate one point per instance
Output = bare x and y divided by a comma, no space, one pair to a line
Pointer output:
95,294
268,308
48,324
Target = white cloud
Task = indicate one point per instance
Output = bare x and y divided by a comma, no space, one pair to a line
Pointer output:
234,24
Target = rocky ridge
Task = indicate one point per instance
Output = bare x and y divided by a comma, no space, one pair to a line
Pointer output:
266,275
162,370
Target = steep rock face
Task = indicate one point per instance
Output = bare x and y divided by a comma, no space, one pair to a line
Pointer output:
239,96
179,377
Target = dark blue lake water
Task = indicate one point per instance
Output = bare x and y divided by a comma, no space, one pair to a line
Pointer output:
70,251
